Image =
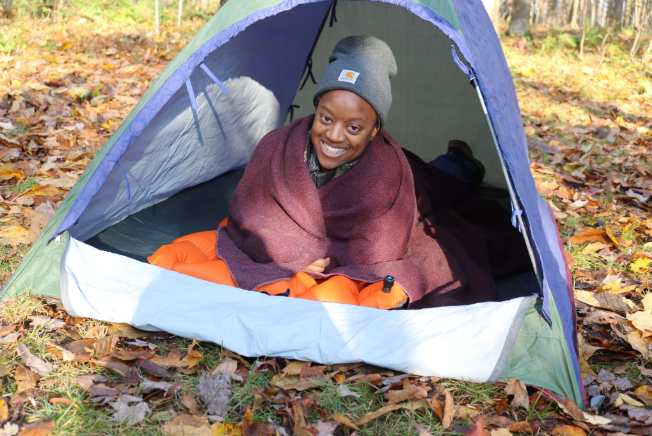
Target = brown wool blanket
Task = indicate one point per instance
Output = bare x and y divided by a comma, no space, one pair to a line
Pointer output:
366,221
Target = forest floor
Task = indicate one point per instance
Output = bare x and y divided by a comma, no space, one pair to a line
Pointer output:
65,89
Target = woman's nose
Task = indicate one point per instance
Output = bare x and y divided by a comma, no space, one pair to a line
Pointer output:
335,133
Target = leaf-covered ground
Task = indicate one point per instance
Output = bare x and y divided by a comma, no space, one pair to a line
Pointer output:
66,86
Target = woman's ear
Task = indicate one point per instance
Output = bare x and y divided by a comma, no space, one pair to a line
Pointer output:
375,131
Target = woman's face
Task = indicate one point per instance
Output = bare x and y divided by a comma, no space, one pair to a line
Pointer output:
344,125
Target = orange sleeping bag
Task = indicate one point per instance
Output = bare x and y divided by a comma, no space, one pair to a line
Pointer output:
194,255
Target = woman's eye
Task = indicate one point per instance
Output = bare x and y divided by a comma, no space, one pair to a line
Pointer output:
354,128
326,118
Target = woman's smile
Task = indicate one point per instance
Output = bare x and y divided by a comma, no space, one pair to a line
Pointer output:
332,151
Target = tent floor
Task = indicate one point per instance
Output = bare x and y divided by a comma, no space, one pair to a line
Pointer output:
202,207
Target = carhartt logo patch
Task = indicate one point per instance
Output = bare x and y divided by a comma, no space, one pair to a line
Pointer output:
348,76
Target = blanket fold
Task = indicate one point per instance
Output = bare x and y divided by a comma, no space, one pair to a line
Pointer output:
366,221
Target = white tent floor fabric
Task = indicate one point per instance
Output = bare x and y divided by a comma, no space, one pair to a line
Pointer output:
465,342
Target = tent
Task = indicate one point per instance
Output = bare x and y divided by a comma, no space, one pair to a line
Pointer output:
172,166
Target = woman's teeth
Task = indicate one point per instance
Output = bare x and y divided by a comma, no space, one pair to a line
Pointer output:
332,150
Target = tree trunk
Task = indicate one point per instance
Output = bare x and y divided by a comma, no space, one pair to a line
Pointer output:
7,6
617,13
575,14
493,9
583,19
156,13
648,53
627,16
520,22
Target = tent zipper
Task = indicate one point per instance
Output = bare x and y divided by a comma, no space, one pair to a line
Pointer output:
517,212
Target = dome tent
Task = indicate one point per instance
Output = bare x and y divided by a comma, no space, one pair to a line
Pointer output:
172,166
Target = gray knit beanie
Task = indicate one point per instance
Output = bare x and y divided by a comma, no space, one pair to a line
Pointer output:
363,65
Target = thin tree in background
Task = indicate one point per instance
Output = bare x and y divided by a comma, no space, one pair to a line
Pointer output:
156,13
520,22
180,12
7,6
493,9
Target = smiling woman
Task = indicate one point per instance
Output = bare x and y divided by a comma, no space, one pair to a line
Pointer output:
314,218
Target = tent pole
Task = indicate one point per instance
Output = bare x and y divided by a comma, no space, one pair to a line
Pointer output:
517,212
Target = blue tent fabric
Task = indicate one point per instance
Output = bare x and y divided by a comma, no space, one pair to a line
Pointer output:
145,116
500,96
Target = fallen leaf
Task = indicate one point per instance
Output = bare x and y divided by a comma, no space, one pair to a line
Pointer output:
37,365
125,354
645,371
638,343
105,345
640,264
60,400
131,415
606,300
40,429
519,391
522,427
228,430
129,332
344,391
320,428
630,401
295,367
152,368
436,407
139,343
227,366
500,432
172,359
102,390
6,329
193,357
449,410
82,350
46,322
14,234
188,425
423,432
188,400
574,411
4,411
87,380
215,392
294,382
568,430
47,190
591,235
409,392
346,421
113,364
412,405
594,247
11,338
312,371
149,386
10,429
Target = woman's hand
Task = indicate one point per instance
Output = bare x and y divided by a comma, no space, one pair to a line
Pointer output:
318,265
